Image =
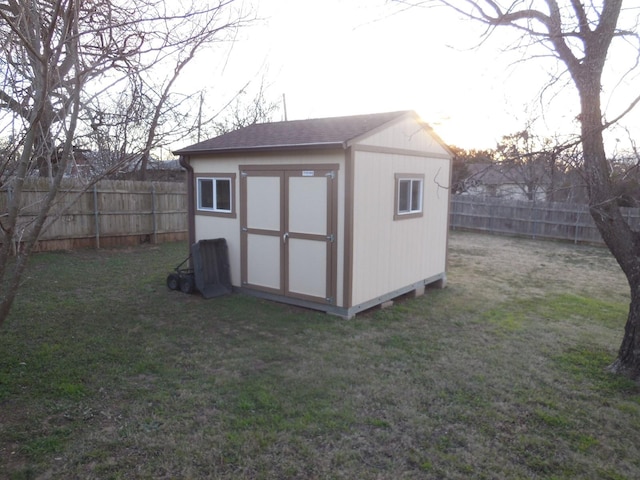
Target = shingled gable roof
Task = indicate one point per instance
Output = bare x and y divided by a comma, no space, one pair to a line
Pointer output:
333,132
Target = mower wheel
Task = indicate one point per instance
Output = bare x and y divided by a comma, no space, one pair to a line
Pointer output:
173,281
187,284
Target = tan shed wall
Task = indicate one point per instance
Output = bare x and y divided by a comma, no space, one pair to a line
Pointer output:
229,228
390,254
406,134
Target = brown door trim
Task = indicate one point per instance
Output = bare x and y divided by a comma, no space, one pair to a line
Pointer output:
330,171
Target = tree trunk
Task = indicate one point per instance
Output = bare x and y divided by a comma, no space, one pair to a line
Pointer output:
628,361
623,242
580,34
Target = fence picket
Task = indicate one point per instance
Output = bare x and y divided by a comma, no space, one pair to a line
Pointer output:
553,220
111,213
128,212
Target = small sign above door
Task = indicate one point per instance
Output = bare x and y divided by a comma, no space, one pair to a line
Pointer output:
308,173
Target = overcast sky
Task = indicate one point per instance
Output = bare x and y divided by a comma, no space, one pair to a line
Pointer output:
347,57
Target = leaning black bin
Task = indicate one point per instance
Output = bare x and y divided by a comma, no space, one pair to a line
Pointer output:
211,267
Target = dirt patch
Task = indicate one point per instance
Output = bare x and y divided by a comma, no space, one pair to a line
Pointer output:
515,267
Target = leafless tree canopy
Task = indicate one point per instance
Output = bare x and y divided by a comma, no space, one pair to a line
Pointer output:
582,36
98,74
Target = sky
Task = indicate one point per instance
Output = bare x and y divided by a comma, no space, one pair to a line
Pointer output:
347,57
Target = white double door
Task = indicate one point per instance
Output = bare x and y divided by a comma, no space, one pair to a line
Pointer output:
288,231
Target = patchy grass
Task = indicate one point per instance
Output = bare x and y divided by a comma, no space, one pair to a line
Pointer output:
105,373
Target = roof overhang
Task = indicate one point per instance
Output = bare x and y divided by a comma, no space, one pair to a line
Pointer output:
262,148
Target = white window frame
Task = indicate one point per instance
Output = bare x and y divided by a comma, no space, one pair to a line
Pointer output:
415,205
215,209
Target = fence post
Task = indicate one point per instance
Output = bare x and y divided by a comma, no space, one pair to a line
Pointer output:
96,214
532,219
12,240
153,213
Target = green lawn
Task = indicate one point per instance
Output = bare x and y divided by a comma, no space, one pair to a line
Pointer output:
105,373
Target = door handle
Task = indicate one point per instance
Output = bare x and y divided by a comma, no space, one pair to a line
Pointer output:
285,236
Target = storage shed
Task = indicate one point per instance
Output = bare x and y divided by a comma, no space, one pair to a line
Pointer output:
336,214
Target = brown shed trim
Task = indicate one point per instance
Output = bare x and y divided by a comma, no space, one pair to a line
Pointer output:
349,186
402,176
332,217
399,151
288,166
332,263
232,176
379,128
257,170
184,161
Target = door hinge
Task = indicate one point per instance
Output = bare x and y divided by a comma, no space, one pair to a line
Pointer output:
331,175
331,238
243,174
244,229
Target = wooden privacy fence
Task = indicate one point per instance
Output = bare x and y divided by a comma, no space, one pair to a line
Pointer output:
110,213
561,221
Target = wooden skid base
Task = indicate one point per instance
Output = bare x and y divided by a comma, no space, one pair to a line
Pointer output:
385,301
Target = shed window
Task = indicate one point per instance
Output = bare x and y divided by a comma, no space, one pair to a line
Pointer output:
215,194
409,193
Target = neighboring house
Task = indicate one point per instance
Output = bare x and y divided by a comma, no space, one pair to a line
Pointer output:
157,171
336,214
506,181
87,163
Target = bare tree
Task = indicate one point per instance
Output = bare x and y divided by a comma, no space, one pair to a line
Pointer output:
242,114
41,88
460,172
625,172
180,49
148,111
532,163
580,34
64,57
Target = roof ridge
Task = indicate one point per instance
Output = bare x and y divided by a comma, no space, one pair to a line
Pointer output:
320,132
336,117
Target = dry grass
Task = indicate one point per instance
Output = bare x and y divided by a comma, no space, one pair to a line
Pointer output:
500,375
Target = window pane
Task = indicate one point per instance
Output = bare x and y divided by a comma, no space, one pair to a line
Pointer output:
223,194
416,195
206,193
404,187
